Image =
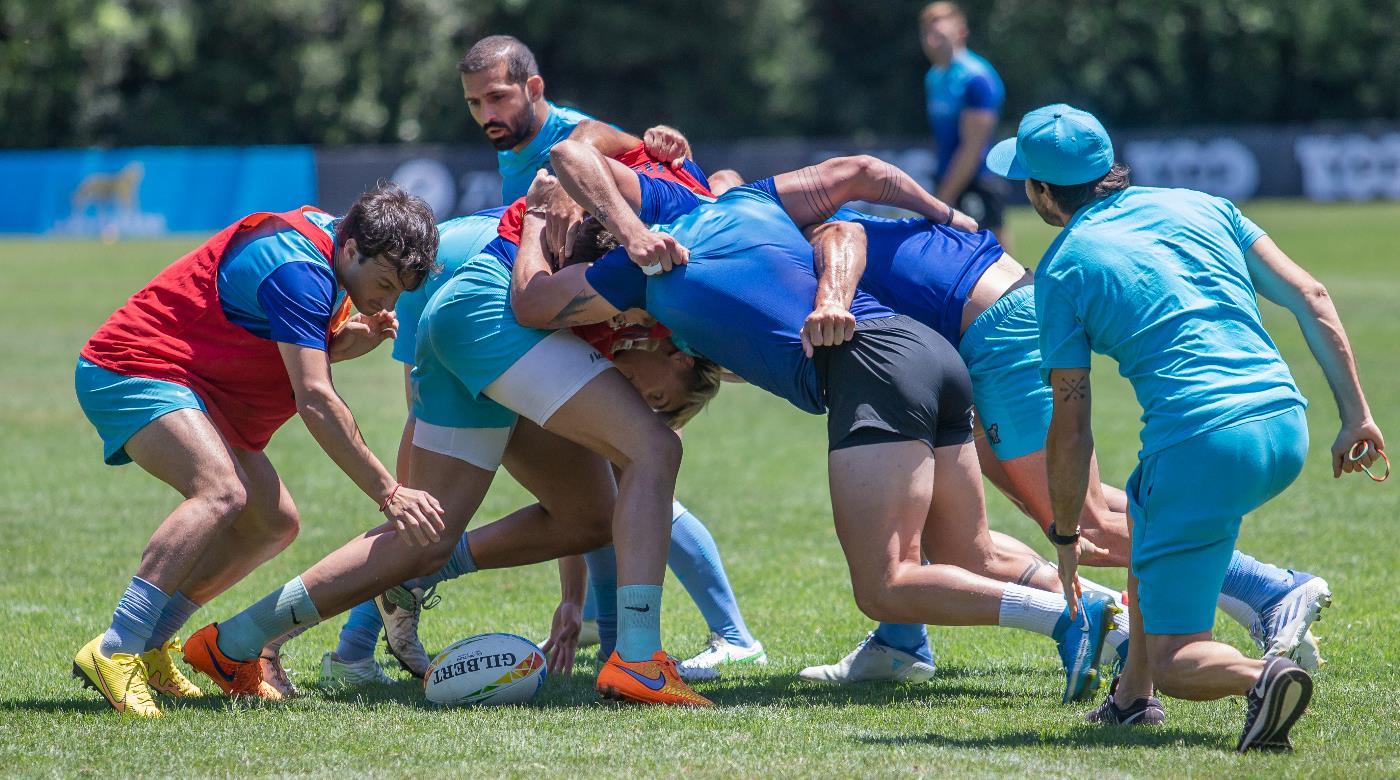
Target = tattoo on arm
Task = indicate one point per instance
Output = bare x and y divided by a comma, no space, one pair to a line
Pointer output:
814,192
889,176
1074,389
565,316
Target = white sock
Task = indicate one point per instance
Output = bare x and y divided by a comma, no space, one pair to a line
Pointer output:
1117,639
1238,611
1030,609
1087,585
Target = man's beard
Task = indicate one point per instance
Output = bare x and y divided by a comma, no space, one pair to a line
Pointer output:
514,136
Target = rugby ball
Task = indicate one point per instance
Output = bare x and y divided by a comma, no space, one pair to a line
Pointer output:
486,669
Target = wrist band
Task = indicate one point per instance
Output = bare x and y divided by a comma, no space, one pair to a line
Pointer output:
952,212
1060,539
393,491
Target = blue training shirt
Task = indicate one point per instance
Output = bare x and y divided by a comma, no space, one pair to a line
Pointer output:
742,298
275,284
459,240
1157,280
518,168
923,270
969,81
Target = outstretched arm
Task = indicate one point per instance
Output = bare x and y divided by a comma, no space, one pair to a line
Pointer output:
1069,447
812,194
539,297
610,192
838,254
1284,282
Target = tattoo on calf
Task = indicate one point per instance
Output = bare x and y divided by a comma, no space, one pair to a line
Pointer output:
814,192
1074,389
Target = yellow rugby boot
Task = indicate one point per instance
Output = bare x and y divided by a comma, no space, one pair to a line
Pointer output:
121,679
163,676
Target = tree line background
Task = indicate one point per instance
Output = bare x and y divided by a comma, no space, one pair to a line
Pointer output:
127,72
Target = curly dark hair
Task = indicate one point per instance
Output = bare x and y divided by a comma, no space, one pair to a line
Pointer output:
1071,197
395,227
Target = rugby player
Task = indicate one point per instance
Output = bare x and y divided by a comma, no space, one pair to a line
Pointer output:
965,287
505,94
193,375
963,97
743,300
1164,281
477,372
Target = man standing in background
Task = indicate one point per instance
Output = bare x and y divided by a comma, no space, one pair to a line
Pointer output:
963,96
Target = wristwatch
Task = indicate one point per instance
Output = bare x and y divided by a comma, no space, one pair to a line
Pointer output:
1062,539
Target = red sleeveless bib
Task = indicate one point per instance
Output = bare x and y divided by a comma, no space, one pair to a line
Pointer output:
175,330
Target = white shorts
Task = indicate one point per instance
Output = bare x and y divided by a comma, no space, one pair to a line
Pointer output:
481,447
547,376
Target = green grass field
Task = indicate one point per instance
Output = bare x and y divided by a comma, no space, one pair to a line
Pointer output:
755,472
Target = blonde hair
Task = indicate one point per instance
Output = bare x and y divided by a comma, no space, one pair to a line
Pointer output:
935,11
701,388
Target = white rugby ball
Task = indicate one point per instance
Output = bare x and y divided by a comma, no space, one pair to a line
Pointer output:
486,669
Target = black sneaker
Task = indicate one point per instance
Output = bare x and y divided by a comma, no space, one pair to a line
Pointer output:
1275,704
1142,712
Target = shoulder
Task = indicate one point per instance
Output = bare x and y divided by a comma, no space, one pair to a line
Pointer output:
566,115
977,65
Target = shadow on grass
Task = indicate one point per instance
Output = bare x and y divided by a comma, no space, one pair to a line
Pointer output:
1088,736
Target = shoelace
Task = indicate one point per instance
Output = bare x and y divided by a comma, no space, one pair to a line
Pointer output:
279,672
430,598
136,686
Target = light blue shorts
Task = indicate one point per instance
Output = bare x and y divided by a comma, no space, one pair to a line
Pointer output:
118,406
1002,352
467,338
1186,502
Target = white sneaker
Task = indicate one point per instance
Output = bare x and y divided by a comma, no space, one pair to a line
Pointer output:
872,661
719,652
366,671
1285,628
400,608
588,634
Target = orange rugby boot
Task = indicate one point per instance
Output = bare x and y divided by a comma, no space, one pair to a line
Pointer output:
236,678
656,681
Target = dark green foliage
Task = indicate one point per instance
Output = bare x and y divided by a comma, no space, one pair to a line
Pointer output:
123,72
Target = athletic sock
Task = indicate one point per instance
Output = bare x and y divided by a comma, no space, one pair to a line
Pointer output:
177,612
360,632
1032,610
695,561
1238,611
1089,586
602,586
1258,584
242,636
460,563
135,618
638,622
911,638
590,600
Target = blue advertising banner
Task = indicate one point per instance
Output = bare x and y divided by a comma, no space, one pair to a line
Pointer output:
149,191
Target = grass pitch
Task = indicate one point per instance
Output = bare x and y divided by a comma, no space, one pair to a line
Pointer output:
754,471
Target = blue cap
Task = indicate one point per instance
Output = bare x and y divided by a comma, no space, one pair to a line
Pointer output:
1056,144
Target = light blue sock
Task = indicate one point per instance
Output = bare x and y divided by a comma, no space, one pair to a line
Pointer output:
460,563
242,636
1258,584
590,599
602,586
360,632
135,618
177,612
695,561
911,638
638,622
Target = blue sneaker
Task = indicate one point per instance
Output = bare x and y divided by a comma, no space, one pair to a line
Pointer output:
1081,644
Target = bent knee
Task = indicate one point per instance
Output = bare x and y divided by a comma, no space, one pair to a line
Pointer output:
225,498
877,601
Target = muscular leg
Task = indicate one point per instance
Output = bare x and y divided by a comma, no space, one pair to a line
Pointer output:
267,524
1104,527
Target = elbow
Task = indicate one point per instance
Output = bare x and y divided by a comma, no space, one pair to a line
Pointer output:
314,403
1316,295
529,313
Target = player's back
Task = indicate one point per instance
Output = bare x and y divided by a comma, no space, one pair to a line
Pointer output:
459,240
923,270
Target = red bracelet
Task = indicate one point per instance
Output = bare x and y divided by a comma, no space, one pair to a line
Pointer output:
393,491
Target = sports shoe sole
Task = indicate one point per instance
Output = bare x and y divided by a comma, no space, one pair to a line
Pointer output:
1284,702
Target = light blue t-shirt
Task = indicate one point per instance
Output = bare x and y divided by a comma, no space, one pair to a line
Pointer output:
1156,279
518,168
275,284
967,82
459,240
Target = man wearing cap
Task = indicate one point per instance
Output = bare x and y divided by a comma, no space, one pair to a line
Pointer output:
1164,282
